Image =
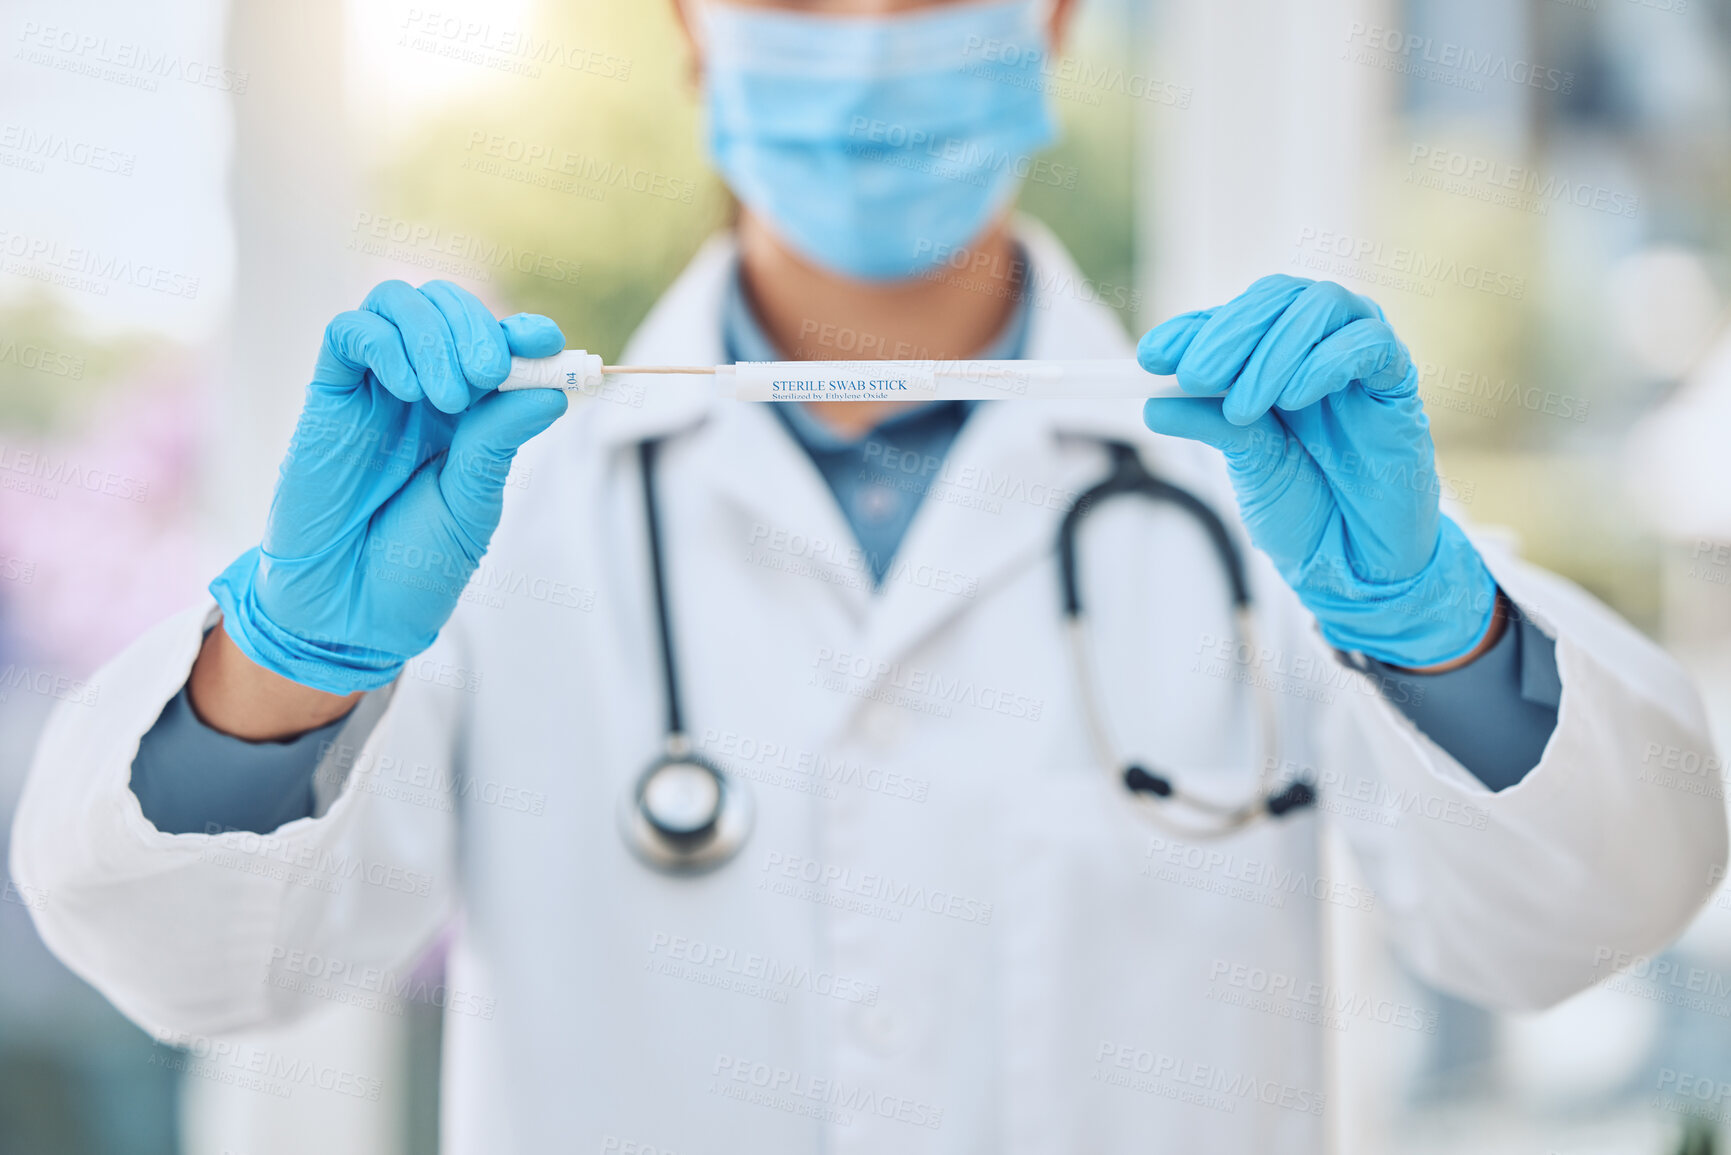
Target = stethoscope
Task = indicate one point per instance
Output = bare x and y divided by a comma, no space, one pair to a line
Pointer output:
685,815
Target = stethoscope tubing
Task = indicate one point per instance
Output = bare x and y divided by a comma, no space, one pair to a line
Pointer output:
719,838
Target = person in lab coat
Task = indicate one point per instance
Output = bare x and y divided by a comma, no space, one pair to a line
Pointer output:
951,929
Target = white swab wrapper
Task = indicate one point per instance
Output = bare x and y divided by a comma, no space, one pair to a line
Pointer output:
579,371
573,369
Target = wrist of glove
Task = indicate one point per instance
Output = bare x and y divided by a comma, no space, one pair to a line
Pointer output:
1435,616
331,665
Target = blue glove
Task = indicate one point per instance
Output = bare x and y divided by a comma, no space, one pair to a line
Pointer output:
1314,401
391,488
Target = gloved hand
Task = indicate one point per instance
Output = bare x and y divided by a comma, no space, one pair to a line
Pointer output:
391,488
1314,401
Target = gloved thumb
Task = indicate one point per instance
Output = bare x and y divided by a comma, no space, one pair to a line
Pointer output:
532,335
487,437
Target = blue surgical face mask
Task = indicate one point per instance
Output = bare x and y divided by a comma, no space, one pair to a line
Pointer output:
875,146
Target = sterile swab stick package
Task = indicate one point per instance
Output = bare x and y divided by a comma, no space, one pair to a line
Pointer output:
582,372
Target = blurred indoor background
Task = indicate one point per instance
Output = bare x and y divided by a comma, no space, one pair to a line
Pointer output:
1538,192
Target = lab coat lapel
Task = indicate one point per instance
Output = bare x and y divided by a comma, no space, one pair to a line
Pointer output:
993,510
997,500
1012,473
794,523
746,457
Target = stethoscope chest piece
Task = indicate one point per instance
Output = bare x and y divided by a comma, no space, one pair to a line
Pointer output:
683,815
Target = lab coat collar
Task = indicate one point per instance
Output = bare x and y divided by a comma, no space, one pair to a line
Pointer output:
1003,487
684,328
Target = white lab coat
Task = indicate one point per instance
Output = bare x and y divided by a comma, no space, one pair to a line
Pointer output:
950,931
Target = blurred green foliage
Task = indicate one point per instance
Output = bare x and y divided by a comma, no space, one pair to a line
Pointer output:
52,372
547,167
1519,410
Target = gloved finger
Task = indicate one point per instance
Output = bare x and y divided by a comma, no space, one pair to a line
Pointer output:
427,340
1366,351
532,335
482,353
357,342
1163,346
472,480
1281,493
1201,419
1321,309
1377,457
1218,352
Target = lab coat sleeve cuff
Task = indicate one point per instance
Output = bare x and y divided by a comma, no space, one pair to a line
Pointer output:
1518,897
190,778
1493,715
178,930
